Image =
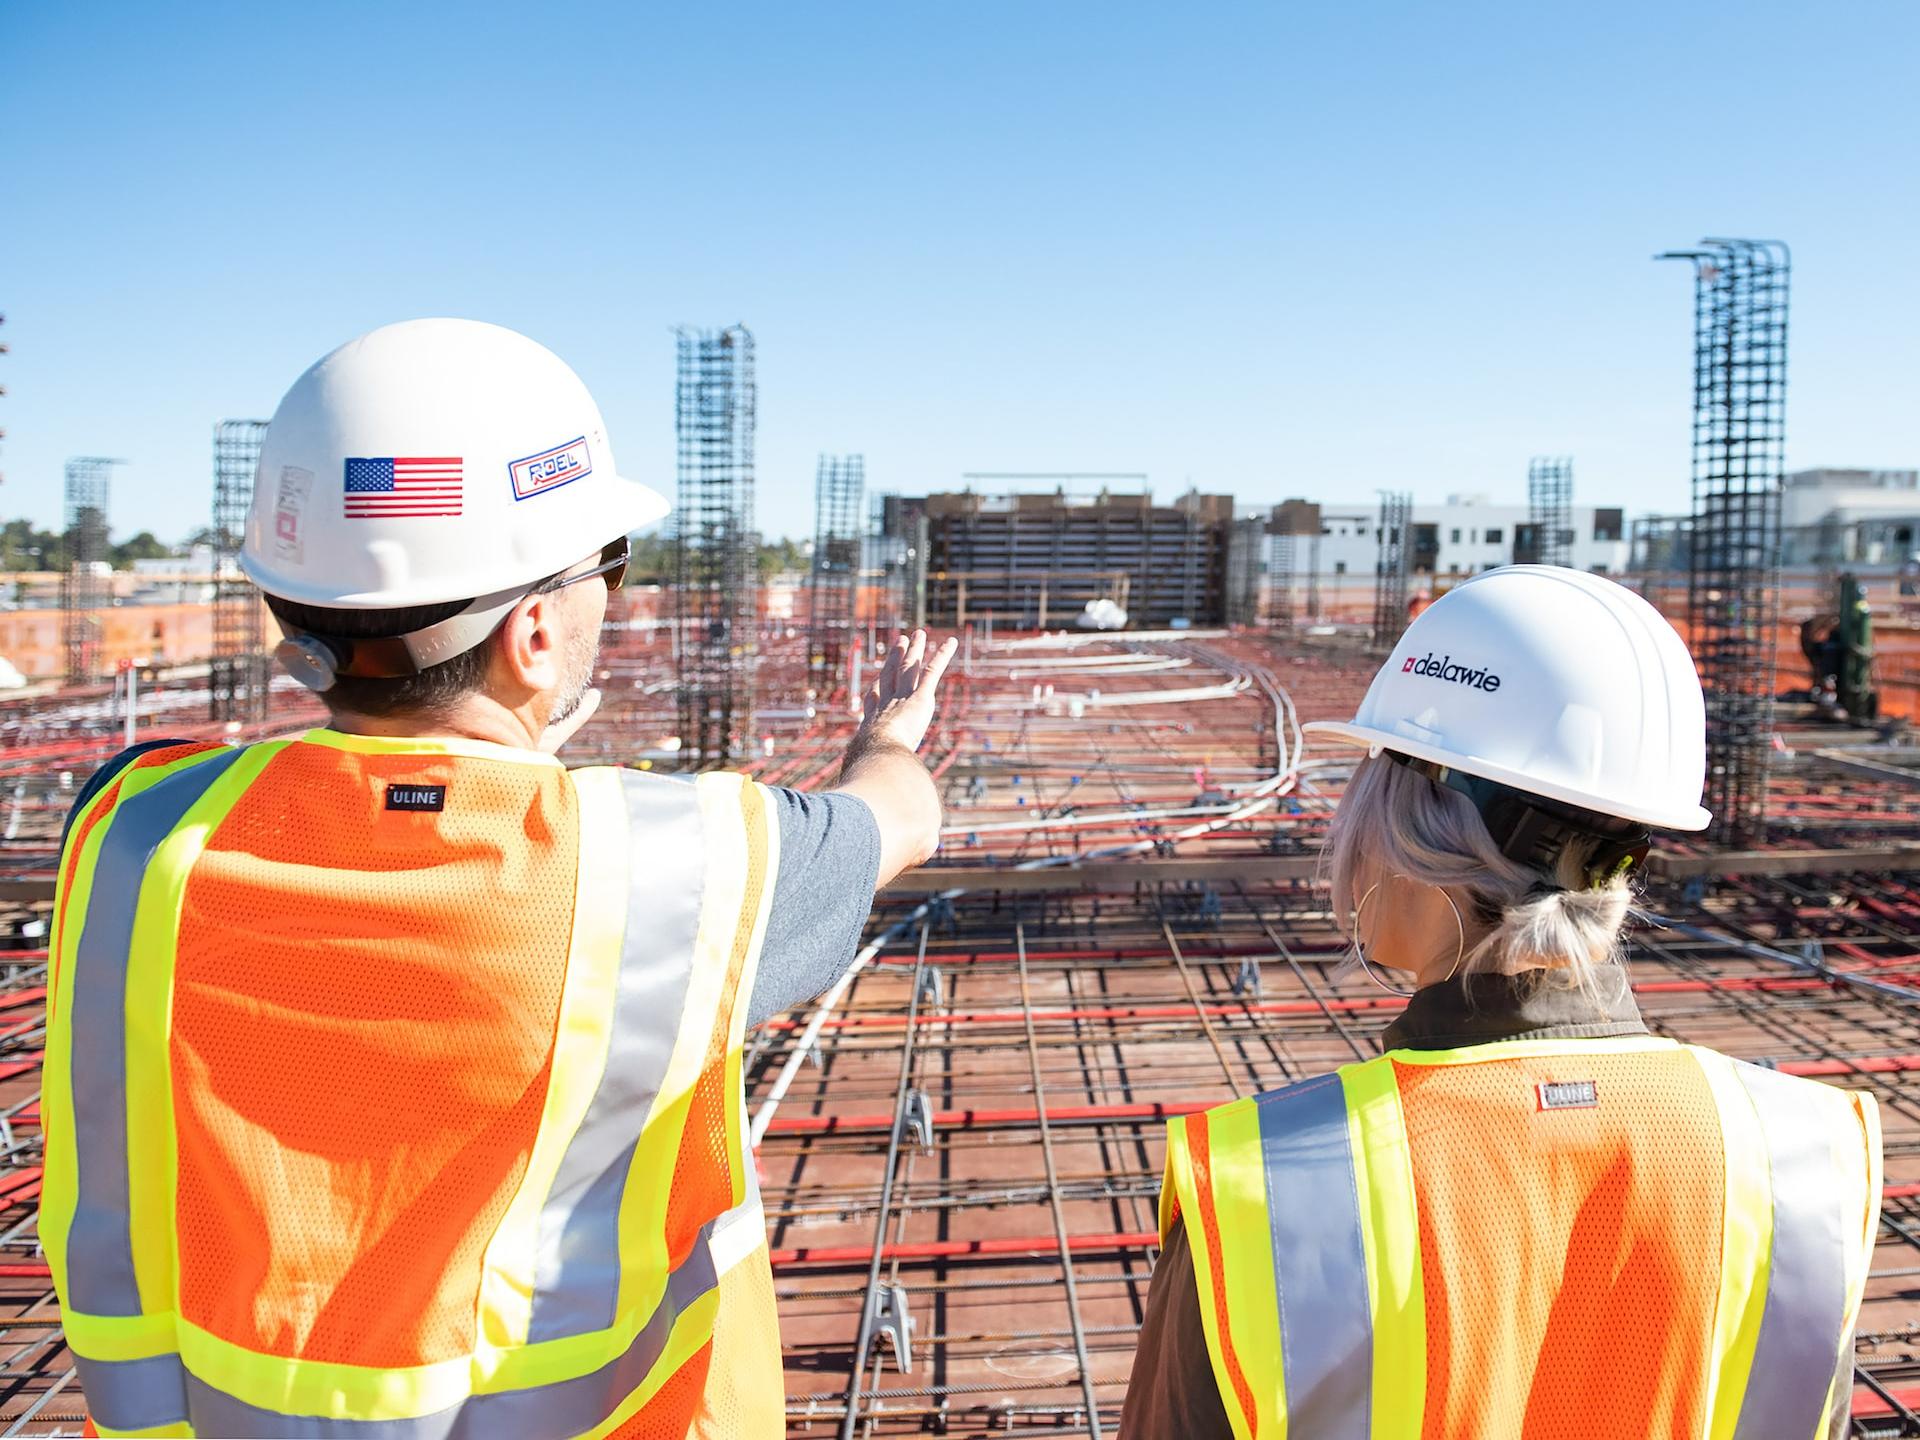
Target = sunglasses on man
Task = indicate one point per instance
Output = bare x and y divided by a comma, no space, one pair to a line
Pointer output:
614,556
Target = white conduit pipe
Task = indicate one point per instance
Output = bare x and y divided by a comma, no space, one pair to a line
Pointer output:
1287,734
1067,640
1105,700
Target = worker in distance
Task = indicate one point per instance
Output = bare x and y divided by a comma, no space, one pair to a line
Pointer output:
393,1080
1528,1216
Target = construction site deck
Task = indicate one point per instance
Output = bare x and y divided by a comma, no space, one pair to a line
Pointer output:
960,1148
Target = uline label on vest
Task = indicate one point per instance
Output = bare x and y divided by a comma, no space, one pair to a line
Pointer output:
1568,1095
416,797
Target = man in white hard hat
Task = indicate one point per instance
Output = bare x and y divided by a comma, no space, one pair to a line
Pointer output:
393,1070
1528,1216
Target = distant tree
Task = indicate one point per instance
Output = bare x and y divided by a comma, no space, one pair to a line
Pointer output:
141,547
779,555
22,547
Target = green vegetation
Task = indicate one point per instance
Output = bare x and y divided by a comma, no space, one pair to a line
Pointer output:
22,547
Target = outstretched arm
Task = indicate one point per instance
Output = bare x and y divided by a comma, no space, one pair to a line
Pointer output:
882,765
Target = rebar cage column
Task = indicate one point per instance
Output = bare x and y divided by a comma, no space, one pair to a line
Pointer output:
1733,573
716,552
834,580
1392,567
85,592
237,689
1550,509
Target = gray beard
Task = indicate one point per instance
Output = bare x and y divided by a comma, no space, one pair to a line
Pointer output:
582,653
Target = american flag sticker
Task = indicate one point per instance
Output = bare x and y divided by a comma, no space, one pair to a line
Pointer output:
402,486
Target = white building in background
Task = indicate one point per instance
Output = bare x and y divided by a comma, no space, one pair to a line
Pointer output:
1850,517
1464,536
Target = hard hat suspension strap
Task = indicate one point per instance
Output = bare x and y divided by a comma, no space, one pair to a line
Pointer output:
317,660
1533,831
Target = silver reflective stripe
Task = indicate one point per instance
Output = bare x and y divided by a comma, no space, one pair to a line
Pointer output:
1798,1350
1319,1262
564,1408
134,1394
100,1278
577,1279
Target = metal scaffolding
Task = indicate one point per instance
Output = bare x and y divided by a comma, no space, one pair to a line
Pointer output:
1733,579
833,585
240,674
85,592
1550,509
716,549
1392,567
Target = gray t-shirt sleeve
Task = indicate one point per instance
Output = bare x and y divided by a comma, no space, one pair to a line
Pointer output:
822,893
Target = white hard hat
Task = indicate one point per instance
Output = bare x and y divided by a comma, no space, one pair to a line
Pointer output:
1550,681
433,461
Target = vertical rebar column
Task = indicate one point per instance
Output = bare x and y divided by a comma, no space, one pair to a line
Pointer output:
716,552
1391,568
238,688
85,592
1284,550
1550,508
834,581
1733,571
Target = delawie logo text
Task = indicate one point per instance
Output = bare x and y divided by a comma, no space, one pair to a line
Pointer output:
1445,667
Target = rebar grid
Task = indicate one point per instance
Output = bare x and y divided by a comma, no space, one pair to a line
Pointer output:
1393,567
716,553
1549,512
839,540
84,592
241,673
1733,579
1076,1020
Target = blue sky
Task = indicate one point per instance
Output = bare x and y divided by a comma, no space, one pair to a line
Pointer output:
1264,249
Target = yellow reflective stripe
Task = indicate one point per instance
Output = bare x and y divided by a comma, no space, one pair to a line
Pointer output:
359,1392
119,1337
313,1387
1746,1240
763,843
60,1180
1239,1175
690,1332
437,745
1235,1126
581,1039
157,1432
1174,1201
152,1153
1527,1049
1390,1229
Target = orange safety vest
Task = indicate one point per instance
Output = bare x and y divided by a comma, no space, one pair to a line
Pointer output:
393,1091
1604,1239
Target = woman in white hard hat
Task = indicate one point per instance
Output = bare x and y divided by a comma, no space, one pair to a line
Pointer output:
1528,1216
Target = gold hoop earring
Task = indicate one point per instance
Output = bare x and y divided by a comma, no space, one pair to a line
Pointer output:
1360,950
1459,926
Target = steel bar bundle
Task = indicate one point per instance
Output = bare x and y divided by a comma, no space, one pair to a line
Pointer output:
716,588
241,673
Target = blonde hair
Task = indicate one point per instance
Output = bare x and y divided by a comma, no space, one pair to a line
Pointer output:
1401,823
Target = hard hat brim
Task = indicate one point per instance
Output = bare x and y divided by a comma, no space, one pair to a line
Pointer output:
1366,737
